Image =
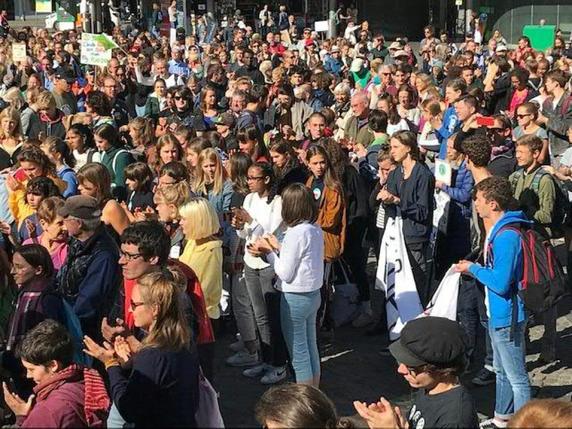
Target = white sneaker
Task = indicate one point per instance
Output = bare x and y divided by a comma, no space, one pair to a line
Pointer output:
362,320
237,346
274,374
255,371
242,358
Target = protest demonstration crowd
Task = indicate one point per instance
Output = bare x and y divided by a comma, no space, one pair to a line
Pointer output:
236,180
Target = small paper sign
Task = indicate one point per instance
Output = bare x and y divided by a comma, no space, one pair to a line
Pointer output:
443,171
19,52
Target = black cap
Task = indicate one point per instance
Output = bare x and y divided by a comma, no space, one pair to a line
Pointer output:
65,73
429,340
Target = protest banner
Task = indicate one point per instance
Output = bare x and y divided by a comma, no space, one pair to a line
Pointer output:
96,49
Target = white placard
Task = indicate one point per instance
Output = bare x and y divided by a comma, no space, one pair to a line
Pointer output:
95,49
19,52
321,26
443,171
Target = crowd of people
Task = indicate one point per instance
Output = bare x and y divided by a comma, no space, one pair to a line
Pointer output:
197,185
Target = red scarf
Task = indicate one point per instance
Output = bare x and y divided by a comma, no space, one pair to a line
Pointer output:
96,402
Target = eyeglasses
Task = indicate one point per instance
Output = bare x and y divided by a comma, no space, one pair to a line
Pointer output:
522,116
415,370
129,256
252,178
134,305
179,98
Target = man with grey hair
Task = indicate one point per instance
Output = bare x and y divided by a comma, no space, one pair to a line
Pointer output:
385,85
90,278
356,127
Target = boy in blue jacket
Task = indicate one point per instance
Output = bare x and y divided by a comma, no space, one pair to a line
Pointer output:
501,276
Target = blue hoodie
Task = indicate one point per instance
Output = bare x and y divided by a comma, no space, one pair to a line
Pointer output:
499,276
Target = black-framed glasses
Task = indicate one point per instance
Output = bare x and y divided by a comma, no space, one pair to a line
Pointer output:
134,304
493,130
179,98
129,256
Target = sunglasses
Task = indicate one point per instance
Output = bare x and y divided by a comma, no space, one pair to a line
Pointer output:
179,98
522,116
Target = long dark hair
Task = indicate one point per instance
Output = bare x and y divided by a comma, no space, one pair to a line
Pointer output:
268,172
330,176
37,256
251,132
84,131
108,132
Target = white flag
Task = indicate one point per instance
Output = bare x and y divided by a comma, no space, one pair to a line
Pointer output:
395,278
444,301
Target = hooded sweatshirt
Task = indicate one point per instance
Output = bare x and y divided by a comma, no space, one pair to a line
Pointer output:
503,269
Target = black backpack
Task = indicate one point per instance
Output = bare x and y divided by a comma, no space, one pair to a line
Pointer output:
543,280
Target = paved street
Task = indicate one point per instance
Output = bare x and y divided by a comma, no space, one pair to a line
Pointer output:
355,368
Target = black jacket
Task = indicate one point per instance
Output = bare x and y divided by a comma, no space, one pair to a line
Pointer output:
416,202
356,192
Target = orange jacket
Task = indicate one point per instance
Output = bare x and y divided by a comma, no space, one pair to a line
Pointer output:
332,219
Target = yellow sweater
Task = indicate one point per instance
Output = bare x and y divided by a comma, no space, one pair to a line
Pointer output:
206,261
19,206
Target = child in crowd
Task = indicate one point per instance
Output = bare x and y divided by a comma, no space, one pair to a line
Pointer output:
37,190
139,181
52,236
60,154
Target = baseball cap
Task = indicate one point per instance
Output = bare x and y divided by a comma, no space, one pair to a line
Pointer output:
357,65
335,49
429,340
65,73
81,207
501,48
400,53
226,118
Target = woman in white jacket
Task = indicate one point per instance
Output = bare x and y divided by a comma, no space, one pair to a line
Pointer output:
299,265
261,214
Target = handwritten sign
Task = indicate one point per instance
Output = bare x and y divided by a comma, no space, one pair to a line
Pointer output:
96,49
19,52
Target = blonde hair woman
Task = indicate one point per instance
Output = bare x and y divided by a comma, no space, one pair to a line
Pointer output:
211,181
159,387
10,137
203,252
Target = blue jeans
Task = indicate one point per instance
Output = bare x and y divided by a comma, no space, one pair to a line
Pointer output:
298,313
513,385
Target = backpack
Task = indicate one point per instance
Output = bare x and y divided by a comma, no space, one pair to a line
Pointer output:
560,215
543,280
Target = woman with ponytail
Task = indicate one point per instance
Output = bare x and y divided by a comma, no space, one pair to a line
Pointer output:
154,383
261,214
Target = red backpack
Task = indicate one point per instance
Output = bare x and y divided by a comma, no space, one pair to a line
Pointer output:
543,280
